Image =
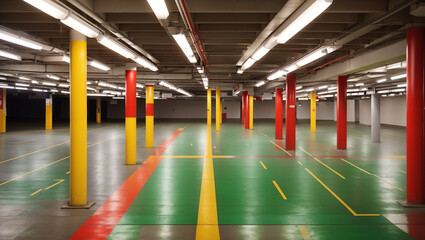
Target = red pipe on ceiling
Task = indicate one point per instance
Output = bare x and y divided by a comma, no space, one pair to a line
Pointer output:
321,66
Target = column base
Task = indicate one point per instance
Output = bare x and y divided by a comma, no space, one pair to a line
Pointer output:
411,205
87,206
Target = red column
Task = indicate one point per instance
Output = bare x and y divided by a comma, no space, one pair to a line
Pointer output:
244,93
278,121
290,111
342,113
415,185
247,111
130,93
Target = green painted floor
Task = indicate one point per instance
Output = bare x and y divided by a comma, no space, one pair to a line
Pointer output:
331,194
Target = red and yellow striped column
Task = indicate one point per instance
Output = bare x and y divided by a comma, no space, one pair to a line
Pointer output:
217,109
149,116
209,107
3,110
78,124
130,116
313,112
251,112
49,111
98,110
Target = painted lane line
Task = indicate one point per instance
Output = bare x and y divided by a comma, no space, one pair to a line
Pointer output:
300,163
107,216
182,156
317,160
280,190
262,133
378,177
338,198
262,164
68,172
207,226
304,232
281,148
39,190
59,181
11,159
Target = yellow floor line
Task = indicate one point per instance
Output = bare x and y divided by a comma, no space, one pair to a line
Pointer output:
300,163
59,181
262,164
304,232
39,190
398,169
338,198
173,156
317,160
280,190
267,136
361,169
207,227
280,148
8,160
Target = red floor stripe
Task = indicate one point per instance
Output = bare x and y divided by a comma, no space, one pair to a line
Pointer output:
103,221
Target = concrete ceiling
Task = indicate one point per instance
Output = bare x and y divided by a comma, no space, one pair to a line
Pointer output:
227,29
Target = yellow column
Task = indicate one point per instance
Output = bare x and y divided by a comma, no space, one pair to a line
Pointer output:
149,116
217,109
221,111
313,112
49,111
78,125
251,112
208,107
98,110
3,110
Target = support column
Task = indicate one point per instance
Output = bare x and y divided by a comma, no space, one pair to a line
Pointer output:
217,109
209,107
49,111
247,111
78,124
244,94
342,113
3,110
149,116
278,119
415,101
98,110
221,111
130,116
290,111
313,112
251,112
376,118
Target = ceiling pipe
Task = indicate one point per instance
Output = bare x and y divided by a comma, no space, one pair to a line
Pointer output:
321,66
186,18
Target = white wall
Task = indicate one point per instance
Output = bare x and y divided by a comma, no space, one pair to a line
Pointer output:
265,109
325,110
233,109
303,111
351,111
393,111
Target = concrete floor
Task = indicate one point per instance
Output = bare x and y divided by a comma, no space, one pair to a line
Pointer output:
325,193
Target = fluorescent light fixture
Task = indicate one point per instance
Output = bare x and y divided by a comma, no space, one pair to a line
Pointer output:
353,90
64,85
398,90
381,80
185,46
358,84
66,59
200,70
49,84
240,71
168,85
299,87
384,91
53,90
153,68
332,88
302,98
99,65
10,55
375,75
6,74
260,53
5,86
397,65
291,68
115,46
303,20
90,88
24,78
159,8
34,82
309,90
276,75
259,84
119,98
65,92
53,77
81,26
184,92
402,85
37,90
353,80
138,85
364,89
248,64
51,8
142,61
21,88
404,75
6,36
22,84
312,57
322,87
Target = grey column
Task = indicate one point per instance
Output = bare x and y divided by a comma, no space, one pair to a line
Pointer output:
376,117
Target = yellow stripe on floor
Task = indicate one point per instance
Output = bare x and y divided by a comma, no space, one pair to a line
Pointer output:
281,148
280,190
317,160
207,227
304,232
